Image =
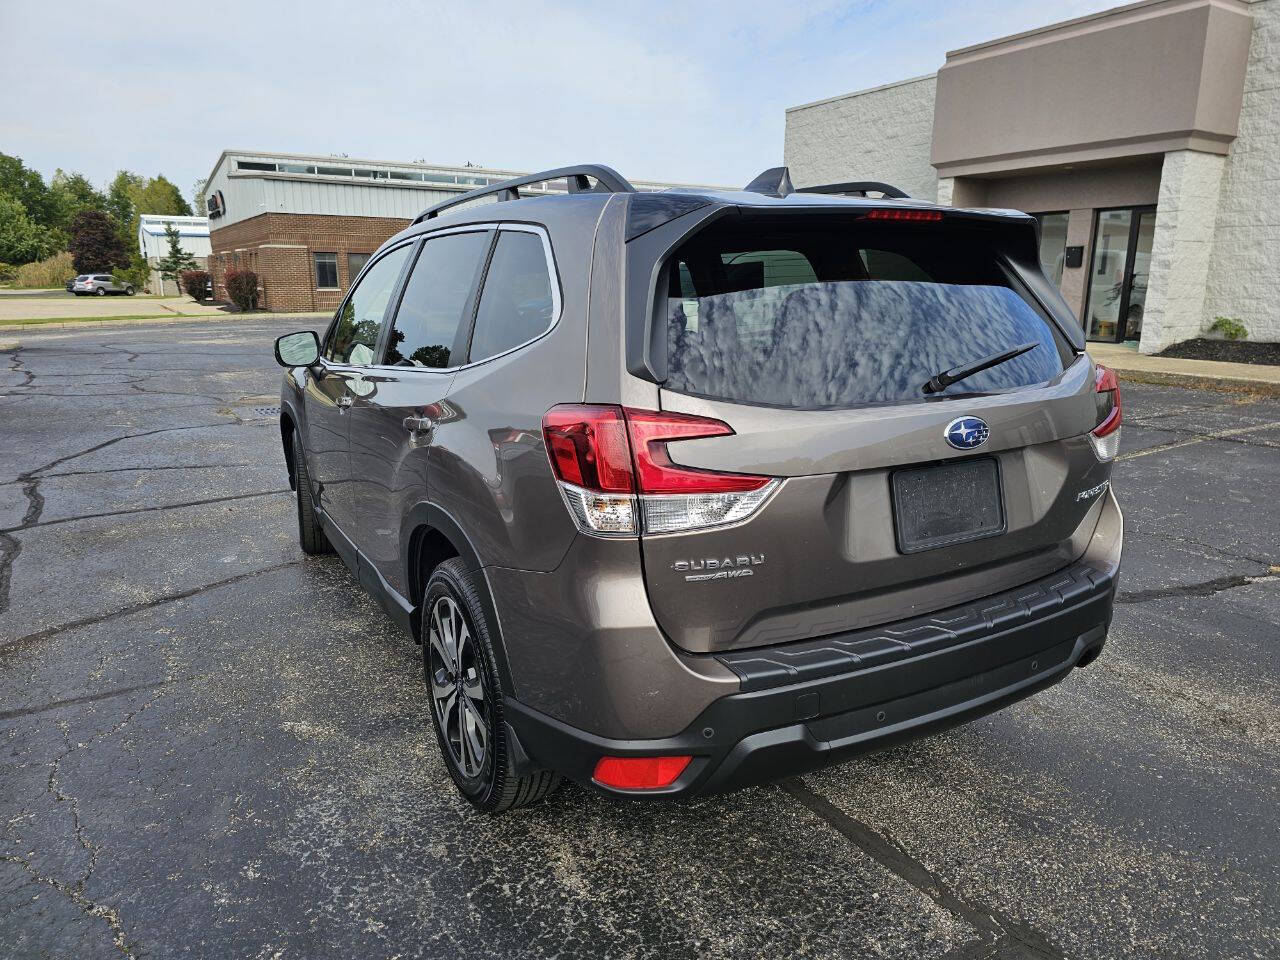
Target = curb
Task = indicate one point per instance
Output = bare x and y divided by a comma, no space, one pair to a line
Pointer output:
1265,388
12,328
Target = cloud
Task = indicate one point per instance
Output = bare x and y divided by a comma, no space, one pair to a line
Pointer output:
665,90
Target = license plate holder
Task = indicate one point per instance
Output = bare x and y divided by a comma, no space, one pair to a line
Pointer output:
947,503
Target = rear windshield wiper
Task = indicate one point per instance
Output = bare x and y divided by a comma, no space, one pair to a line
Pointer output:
940,381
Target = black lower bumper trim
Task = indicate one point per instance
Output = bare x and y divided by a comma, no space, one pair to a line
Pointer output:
759,735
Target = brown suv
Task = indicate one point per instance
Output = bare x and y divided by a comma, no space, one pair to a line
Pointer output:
682,491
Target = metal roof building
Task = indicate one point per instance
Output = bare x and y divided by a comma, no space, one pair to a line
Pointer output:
306,224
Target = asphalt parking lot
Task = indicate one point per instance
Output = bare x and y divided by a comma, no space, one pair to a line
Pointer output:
211,746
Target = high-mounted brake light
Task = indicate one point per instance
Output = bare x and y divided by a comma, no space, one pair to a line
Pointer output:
618,478
905,214
1105,437
639,773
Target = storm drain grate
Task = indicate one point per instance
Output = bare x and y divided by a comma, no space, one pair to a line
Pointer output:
267,411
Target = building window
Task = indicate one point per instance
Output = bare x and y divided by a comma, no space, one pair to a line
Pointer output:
326,271
355,263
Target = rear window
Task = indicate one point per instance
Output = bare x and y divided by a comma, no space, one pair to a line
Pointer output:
846,316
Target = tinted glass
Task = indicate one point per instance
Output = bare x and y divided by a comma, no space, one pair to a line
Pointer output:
845,317
356,331
435,299
517,303
355,263
326,270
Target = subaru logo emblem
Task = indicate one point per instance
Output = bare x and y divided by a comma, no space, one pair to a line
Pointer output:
965,433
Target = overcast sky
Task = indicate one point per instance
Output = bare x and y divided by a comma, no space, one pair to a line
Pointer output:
681,91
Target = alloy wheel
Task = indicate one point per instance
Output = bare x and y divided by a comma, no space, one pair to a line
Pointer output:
459,692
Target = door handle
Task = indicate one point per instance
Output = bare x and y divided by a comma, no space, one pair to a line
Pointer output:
344,401
419,424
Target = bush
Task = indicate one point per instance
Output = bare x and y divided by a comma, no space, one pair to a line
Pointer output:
137,274
242,288
1230,328
53,271
195,283
7,272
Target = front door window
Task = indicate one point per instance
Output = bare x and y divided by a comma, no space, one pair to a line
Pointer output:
1119,274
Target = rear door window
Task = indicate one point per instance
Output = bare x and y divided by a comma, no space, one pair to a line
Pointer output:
431,319
846,316
360,319
519,299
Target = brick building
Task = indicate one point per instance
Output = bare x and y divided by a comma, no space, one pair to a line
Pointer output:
306,225
1145,138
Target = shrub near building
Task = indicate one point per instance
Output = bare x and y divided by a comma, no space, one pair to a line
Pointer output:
242,289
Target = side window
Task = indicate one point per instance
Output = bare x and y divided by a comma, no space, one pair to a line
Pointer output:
435,298
517,303
360,318
326,271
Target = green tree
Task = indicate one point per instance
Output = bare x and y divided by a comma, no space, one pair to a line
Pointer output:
95,243
131,195
176,260
25,185
70,193
199,190
120,197
22,240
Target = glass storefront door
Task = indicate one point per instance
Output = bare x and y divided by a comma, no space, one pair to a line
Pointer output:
1119,273
1053,244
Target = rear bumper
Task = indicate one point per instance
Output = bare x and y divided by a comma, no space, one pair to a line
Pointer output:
803,706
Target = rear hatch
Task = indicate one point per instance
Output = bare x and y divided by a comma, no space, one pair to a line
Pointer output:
813,339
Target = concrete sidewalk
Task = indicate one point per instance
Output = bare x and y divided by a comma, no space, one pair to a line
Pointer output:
1129,364
39,305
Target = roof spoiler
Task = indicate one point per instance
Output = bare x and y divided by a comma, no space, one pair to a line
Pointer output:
776,182
607,180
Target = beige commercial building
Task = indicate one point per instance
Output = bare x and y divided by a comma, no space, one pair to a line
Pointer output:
1145,138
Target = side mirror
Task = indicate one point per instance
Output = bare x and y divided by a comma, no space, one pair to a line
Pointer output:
300,349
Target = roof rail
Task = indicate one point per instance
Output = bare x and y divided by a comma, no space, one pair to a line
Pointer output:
607,180
859,187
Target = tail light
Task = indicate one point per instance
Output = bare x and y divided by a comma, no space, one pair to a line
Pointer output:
1105,437
618,478
639,773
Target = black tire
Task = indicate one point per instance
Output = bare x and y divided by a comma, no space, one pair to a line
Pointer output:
128,291
310,534
101,292
489,783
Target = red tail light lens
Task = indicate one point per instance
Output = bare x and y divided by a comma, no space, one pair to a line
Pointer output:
1105,437
588,447
1110,413
617,476
650,432
915,216
639,773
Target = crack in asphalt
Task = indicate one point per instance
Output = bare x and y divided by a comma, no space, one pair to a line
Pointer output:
134,510
54,788
172,466
1204,589
1003,936
77,897
11,547
10,645
78,701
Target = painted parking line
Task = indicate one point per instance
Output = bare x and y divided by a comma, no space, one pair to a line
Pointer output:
1219,435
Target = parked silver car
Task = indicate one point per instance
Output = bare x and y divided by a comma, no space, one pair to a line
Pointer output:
99,284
